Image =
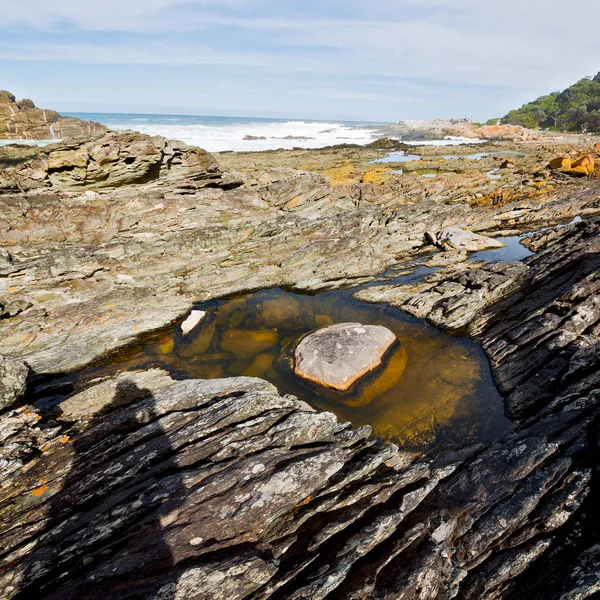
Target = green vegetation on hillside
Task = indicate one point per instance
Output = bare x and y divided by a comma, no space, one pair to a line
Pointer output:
575,109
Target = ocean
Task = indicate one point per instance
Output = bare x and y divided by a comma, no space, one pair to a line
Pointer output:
217,134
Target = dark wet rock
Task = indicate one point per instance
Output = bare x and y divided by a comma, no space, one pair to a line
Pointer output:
20,119
550,327
339,355
13,381
450,298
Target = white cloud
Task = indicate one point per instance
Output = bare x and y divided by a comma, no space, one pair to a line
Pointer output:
514,45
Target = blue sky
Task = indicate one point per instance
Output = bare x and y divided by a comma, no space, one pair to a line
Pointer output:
380,60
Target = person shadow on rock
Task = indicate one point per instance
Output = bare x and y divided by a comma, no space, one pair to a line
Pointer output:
103,533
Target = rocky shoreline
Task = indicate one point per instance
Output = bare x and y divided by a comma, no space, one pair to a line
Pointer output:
22,120
233,490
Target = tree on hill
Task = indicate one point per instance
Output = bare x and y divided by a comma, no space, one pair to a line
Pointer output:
575,109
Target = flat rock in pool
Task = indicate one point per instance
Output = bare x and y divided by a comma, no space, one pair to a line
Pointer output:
455,238
339,355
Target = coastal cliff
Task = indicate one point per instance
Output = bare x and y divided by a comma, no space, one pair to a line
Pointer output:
22,120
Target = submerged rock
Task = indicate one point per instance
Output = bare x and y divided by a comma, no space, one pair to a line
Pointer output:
339,355
194,319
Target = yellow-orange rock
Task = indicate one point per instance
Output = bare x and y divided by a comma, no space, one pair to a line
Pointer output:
580,171
586,162
561,163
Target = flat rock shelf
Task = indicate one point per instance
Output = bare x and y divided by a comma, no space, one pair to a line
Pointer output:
432,390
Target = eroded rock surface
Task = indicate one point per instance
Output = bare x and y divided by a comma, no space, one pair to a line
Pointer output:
93,257
224,488
200,484
339,355
455,238
13,379
450,298
22,120
106,160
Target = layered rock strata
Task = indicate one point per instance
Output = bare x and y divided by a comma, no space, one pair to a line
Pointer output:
107,238
225,489
22,120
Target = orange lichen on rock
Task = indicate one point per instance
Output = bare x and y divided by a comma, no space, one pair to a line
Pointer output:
39,491
303,502
377,176
341,175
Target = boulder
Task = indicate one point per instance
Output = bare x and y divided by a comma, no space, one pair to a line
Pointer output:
561,163
585,163
455,238
13,376
339,355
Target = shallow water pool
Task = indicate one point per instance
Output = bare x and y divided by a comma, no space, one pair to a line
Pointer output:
512,252
432,390
397,157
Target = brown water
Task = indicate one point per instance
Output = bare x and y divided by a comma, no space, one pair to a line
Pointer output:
432,390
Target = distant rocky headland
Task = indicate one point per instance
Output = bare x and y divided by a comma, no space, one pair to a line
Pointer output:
22,120
435,129
144,453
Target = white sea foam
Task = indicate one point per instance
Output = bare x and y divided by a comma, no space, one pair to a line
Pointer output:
216,138
449,140
217,134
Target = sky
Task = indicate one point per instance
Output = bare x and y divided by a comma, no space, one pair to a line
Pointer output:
368,60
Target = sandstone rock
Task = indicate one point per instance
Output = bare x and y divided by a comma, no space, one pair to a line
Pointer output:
111,160
461,239
22,120
275,312
339,355
13,377
247,344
